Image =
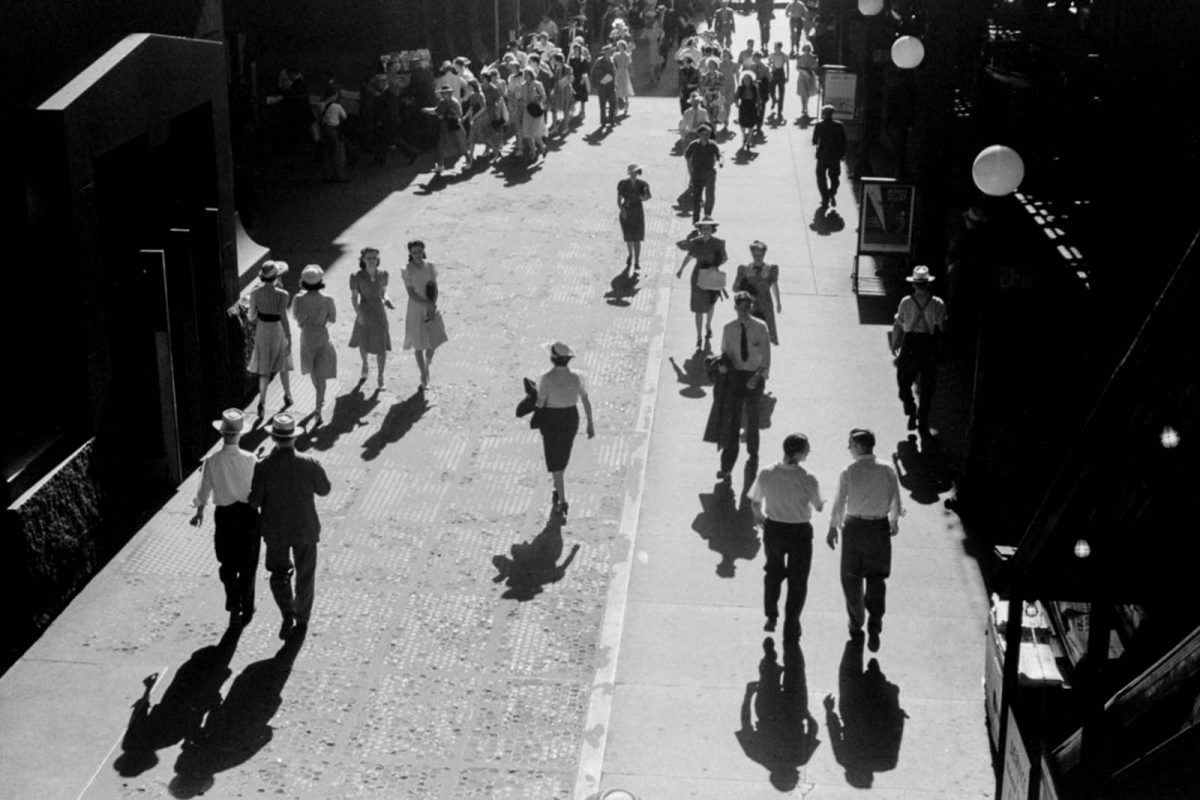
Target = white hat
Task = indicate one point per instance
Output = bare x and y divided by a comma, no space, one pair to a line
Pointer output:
232,421
561,350
312,275
707,222
272,269
634,169
283,426
920,275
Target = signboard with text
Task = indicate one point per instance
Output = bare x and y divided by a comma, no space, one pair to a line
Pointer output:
839,90
885,216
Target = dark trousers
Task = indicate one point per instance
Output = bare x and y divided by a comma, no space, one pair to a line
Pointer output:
797,28
917,363
764,93
788,546
829,173
778,89
236,541
281,557
703,186
764,32
607,95
866,564
744,407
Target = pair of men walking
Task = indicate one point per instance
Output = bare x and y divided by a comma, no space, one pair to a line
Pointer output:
865,514
272,499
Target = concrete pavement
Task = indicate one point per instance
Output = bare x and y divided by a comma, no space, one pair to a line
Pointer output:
463,645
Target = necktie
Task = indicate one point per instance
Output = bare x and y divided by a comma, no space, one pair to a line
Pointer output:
745,346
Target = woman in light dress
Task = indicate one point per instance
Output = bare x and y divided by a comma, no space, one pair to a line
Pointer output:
314,312
623,61
559,392
368,297
806,78
532,132
420,281
562,95
272,335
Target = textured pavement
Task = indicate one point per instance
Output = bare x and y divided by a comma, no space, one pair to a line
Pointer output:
462,645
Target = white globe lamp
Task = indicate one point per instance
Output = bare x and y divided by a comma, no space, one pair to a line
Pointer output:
869,8
998,170
907,52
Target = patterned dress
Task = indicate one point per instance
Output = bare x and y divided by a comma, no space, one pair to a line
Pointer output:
371,327
272,352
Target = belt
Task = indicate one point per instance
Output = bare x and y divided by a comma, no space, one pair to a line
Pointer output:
268,317
865,519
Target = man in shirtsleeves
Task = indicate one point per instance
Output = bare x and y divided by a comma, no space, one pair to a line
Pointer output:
866,510
916,343
746,359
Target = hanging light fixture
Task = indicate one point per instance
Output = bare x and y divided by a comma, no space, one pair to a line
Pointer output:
907,52
998,170
869,8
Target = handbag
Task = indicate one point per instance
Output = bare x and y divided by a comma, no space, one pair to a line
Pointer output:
535,110
711,279
435,331
528,403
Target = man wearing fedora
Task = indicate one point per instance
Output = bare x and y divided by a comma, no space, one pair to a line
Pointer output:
604,82
284,489
226,476
916,344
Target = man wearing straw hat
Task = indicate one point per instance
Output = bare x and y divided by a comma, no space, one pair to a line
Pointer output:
916,344
284,489
226,475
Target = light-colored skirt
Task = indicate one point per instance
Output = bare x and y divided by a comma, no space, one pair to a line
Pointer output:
318,356
271,353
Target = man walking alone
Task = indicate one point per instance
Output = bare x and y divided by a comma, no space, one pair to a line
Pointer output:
866,509
284,487
829,137
784,497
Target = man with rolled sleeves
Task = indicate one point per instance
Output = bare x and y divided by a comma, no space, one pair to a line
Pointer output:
866,510
284,488
226,476
746,357
784,497
917,335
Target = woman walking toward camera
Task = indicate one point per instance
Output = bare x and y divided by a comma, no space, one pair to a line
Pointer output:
272,335
368,297
420,336
559,392
761,280
314,312
631,193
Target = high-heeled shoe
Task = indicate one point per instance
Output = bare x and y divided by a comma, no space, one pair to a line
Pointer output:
287,401
628,260
261,411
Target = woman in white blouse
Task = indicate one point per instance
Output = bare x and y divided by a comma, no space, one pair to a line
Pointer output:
559,392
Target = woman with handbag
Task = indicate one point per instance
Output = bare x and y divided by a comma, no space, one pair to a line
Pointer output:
707,279
424,329
272,335
368,298
532,98
761,280
452,139
488,129
559,392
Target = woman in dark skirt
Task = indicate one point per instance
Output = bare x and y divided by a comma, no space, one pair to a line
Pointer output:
631,193
558,394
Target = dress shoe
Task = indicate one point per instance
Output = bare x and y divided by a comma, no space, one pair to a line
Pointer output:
873,642
912,422
287,627
832,201
770,626
287,401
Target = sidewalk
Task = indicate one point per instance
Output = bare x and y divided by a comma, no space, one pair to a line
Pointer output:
462,646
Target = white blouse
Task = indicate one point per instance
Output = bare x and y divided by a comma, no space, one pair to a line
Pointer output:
561,388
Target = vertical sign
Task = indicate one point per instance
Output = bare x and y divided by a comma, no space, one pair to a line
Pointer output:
839,90
885,216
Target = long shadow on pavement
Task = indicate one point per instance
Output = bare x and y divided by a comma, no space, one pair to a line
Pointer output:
177,717
728,526
238,728
531,565
399,420
866,736
827,221
692,374
785,736
623,287
348,411
923,468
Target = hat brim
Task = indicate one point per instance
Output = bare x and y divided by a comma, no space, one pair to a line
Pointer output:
219,427
911,279
703,224
277,435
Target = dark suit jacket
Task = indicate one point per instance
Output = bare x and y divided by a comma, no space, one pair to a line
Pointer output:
602,66
284,488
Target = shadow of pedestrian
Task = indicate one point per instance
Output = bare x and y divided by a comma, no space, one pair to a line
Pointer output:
398,422
728,527
348,411
239,727
534,564
785,736
684,204
693,374
923,469
624,286
597,136
194,692
866,736
827,221
514,169
744,156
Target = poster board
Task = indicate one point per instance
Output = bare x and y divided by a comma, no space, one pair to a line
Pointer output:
885,216
840,90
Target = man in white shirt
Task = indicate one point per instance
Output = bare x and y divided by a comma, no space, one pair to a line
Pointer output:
866,509
916,343
746,363
226,475
784,497
797,14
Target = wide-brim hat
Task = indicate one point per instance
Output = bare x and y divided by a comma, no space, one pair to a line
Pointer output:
283,426
707,222
633,169
232,421
312,275
920,275
272,269
561,350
